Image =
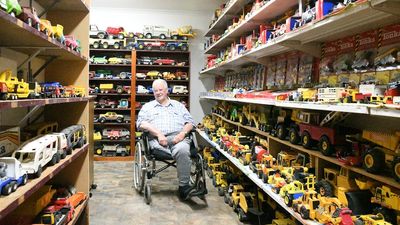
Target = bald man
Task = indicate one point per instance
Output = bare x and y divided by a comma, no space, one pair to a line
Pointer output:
169,122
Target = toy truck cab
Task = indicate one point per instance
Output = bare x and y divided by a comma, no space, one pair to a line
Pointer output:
11,175
95,32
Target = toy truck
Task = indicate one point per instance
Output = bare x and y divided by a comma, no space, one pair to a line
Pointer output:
94,32
36,154
115,150
179,89
158,31
389,201
385,150
184,33
15,89
11,175
106,88
250,203
118,32
76,137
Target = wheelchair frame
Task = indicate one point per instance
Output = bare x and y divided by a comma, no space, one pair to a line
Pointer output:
144,168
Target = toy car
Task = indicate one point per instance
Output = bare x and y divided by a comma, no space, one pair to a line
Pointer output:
123,89
106,88
181,75
30,17
115,150
98,60
154,74
145,61
123,103
172,46
115,43
12,7
159,31
95,32
149,45
140,75
105,102
125,75
115,60
168,76
140,89
164,62
111,116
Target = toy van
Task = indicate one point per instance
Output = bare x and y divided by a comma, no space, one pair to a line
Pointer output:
36,154
179,89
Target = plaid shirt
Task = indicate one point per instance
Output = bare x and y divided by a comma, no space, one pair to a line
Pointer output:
168,119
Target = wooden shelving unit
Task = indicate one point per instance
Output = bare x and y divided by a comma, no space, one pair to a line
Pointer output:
69,67
116,69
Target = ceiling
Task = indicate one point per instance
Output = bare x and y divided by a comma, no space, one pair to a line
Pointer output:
192,5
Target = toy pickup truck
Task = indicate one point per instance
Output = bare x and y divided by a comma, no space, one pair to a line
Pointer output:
106,102
94,32
11,175
115,150
111,116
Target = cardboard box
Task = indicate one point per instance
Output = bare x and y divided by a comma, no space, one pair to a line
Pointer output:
9,140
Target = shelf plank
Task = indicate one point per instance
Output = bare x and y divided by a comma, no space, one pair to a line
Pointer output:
30,40
162,40
162,66
221,23
162,51
70,5
113,158
109,50
118,124
112,80
109,94
78,211
110,65
169,81
114,141
265,187
111,109
381,178
11,104
11,202
170,95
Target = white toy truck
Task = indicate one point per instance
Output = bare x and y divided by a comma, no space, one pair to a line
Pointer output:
179,89
36,154
62,144
158,31
11,175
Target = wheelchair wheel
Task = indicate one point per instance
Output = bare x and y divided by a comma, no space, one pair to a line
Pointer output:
139,167
197,175
147,194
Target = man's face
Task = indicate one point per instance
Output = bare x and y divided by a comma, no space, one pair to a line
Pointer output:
160,92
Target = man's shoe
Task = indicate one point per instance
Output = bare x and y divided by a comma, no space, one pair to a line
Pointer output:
185,191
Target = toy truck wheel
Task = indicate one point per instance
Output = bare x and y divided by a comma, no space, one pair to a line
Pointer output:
7,189
388,214
185,38
306,140
304,213
120,120
117,45
295,207
105,44
235,207
98,151
226,198
281,132
288,200
123,153
294,137
3,96
162,47
214,181
102,120
373,160
101,35
96,44
209,172
163,36
63,155
174,37
359,222
184,48
141,46
29,22
39,171
53,160
148,47
121,36
325,146
324,188
230,201
24,179
396,169
14,186
148,36
172,48
242,216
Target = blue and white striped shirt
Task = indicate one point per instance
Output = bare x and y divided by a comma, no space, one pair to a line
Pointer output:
168,119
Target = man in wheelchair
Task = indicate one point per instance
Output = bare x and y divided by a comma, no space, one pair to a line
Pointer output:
168,124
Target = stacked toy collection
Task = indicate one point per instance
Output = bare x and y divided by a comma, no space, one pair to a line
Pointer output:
29,16
151,38
339,197
363,68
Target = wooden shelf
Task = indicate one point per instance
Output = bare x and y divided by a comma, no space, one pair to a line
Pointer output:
163,51
357,19
265,187
113,141
109,94
12,201
228,13
366,109
162,66
11,104
70,5
31,40
169,81
112,80
78,211
113,124
112,65
109,50
111,109
170,95
162,40
381,178
267,12
113,158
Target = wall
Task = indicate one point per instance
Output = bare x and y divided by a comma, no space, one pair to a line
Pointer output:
171,14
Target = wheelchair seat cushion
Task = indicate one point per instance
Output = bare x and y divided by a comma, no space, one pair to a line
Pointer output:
161,155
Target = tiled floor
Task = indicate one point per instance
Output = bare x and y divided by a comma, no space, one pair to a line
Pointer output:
115,202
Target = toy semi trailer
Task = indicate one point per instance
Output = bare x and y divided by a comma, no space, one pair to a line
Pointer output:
36,154
11,175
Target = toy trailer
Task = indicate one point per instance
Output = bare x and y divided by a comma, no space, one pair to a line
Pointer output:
13,170
330,94
36,154
62,144
76,137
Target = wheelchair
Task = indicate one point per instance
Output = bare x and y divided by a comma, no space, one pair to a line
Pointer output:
144,167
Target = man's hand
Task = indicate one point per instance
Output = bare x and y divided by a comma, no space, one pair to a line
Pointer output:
179,137
162,140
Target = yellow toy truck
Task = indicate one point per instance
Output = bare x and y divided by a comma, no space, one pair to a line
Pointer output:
12,88
250,203
106,88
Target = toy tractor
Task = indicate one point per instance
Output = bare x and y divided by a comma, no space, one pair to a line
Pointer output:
250,203
307,204
389,201
234,192
291,192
